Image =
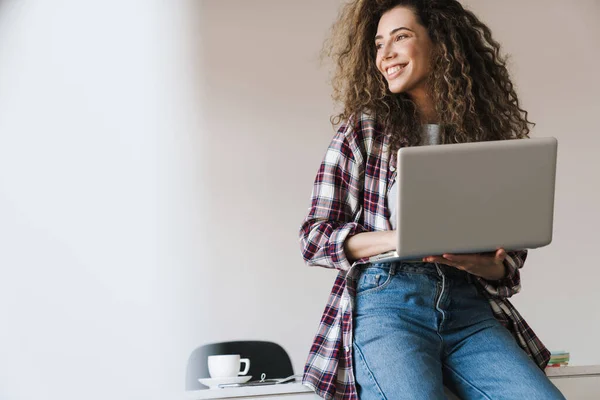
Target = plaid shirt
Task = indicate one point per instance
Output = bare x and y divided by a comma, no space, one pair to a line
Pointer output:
349,197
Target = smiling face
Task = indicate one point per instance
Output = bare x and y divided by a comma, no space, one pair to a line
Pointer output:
403,52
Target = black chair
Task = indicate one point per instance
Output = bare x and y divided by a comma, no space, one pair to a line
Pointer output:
265,358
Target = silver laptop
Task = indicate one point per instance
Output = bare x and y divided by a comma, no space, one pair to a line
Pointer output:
474,197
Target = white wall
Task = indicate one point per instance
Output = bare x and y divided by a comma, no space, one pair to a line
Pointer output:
97,113
156,160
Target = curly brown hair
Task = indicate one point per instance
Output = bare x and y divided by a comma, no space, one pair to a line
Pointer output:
469,82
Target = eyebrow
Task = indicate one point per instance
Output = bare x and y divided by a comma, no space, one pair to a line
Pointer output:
393,31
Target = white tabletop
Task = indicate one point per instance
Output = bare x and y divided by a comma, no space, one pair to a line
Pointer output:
298,388
284,388
573,370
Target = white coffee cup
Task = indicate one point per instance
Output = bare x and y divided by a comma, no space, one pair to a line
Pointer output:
227,366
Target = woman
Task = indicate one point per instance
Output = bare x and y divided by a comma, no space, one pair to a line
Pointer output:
413,72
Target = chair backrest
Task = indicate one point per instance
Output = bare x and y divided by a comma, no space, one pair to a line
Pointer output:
265,357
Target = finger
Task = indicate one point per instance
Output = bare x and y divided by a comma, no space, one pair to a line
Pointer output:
466,258
500,255
436,259
442,260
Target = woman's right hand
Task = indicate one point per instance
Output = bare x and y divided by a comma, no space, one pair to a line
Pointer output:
368,244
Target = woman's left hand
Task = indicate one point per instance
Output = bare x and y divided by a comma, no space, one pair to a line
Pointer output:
489,266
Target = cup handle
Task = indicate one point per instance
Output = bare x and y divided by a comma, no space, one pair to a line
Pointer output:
246,368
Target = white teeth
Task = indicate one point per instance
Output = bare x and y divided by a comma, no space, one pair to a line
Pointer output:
393,69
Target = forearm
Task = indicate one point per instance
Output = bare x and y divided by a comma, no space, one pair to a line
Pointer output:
369,244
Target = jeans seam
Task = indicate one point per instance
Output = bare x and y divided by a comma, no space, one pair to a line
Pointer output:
468,383
369,372
378,288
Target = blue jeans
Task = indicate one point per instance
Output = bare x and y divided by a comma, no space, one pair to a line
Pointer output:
420,326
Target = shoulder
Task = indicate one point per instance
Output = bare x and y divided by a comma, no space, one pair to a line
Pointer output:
362,134
361,127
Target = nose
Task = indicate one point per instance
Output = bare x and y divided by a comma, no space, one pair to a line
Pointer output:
388,51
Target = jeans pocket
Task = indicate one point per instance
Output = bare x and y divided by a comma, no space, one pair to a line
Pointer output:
373,278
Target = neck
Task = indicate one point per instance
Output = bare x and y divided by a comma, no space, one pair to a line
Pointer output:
425,107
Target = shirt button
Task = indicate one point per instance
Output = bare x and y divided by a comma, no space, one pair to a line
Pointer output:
392,168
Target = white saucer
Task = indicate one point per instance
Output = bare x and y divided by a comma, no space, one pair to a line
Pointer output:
213,383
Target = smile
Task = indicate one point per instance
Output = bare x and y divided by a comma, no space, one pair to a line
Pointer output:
395,70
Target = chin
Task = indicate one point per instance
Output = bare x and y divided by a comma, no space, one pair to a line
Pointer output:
397,89
398,86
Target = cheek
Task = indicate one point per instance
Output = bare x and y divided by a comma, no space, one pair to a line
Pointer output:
378,63
425,60
421,63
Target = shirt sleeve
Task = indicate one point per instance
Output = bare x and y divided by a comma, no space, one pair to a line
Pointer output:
335,206
511,283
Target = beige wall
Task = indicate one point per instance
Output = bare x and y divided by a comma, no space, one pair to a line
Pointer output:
555,55
268,107
266,111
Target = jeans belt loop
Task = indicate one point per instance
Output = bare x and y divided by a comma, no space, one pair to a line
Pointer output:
393,269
